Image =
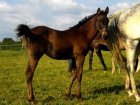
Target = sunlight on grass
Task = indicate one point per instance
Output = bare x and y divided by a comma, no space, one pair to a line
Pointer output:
52,78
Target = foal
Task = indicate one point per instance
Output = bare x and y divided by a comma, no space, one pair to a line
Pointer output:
99,44
73,43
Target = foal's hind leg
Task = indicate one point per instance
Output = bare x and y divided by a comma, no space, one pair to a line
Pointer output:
73,77
33,61
90,59
71,65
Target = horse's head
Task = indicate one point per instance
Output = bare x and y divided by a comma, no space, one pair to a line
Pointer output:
102,22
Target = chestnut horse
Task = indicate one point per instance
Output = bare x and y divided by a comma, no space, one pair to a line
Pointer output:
73,43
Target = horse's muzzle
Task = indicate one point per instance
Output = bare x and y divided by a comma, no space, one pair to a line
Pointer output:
104,34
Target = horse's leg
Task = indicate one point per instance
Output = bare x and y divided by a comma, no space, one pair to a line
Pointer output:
138,66
127,83
33,61
73,77
79,67
90,58
113,66
69,65
98,52
131,57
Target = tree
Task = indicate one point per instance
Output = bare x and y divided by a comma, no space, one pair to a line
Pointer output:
8,41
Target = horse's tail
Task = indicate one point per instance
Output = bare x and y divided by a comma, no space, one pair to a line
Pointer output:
24,30
113,43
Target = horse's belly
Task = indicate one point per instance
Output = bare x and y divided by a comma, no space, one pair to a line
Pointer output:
59,54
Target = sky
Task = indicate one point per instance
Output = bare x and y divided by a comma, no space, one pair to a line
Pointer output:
58,14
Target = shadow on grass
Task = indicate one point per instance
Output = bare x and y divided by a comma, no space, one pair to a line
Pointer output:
114,89
99,69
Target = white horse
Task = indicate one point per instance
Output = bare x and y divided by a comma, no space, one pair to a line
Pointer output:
126,23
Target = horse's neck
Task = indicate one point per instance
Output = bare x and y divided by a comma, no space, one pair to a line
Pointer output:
89,30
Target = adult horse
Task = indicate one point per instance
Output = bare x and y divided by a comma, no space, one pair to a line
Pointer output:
126,23
72,44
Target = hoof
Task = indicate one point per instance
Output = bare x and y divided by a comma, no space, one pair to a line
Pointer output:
138,100
33,102
137,71
67,97
90,69
130,93
104,71
80,99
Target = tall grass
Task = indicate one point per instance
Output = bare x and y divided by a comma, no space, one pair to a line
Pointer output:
52,78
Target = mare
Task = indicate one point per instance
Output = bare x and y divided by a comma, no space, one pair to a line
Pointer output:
126,23
73,43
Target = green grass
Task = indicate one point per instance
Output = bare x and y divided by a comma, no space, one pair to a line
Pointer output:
51,80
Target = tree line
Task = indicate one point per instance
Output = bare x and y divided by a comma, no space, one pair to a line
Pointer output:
9,41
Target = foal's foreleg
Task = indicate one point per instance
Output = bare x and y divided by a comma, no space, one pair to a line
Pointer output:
29,76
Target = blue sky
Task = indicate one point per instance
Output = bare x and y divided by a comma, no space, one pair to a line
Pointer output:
58,14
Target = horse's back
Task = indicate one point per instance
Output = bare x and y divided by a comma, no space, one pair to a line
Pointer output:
133,26
129,22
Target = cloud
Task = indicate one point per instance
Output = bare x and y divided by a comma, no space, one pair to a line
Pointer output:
4,6
61,4
59,14
119,6
64,21
18,13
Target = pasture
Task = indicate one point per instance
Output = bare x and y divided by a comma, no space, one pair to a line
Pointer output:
52,78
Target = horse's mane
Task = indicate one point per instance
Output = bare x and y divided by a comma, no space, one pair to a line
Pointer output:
83,21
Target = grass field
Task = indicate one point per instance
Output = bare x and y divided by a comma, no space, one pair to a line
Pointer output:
51,80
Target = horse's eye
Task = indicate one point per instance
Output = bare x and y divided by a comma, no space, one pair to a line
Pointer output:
100,24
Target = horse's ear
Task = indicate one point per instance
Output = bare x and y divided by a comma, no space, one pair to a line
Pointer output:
107,10
98,11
